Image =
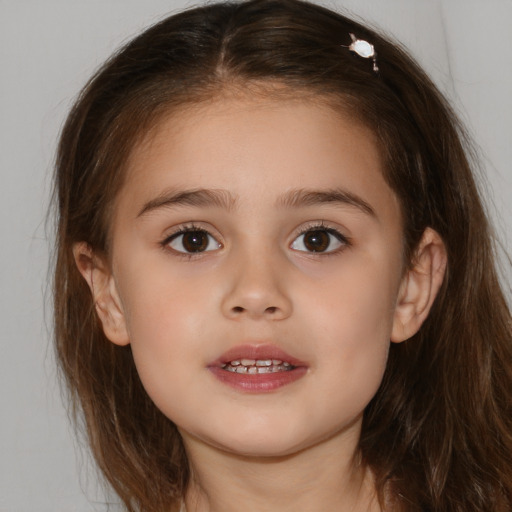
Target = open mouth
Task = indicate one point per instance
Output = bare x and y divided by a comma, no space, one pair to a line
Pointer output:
256,366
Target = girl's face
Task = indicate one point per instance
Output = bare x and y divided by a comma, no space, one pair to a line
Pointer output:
256,272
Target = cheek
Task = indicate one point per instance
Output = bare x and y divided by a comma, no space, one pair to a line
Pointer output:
164,317
355,350
358,300
353,320
160,299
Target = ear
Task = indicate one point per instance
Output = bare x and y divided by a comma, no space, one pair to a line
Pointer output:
96,271
419,286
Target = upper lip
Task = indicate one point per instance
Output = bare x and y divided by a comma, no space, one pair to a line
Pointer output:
257,352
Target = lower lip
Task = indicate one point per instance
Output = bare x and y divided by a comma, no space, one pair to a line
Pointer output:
258,383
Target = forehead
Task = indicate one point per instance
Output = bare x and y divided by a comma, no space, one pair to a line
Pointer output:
257,148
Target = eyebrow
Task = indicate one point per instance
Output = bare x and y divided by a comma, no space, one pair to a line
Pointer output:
195,197
219,198
302,197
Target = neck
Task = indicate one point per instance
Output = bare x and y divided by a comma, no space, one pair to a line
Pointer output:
324,477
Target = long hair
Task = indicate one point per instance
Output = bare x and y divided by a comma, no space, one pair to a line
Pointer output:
438,433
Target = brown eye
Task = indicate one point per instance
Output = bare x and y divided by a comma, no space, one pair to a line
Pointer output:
318,240
193,241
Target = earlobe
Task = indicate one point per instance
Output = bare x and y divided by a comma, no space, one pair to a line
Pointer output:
419,286
98,276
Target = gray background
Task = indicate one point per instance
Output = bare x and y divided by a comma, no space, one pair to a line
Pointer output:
48,49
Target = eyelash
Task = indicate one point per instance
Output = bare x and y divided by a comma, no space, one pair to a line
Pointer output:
318,227
183,230
321,226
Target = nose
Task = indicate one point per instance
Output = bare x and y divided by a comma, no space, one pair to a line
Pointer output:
257,290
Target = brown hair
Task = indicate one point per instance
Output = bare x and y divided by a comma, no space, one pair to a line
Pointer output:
438,434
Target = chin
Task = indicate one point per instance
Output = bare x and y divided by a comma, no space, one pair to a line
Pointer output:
270,442
262,448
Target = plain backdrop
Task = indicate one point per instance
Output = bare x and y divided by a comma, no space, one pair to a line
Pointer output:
48,48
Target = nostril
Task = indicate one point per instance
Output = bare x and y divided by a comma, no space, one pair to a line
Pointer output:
271,310
238,309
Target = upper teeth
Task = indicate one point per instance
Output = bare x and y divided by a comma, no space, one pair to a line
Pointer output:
257,366
257,362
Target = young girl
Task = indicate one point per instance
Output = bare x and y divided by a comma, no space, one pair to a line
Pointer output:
275,286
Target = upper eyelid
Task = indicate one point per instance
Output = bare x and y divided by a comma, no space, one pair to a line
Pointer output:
188,227
320,226
192,226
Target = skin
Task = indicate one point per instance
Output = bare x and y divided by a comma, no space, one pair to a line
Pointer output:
258,283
